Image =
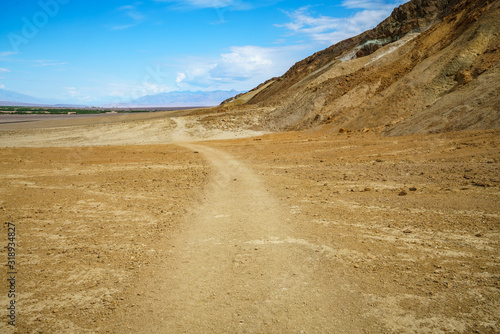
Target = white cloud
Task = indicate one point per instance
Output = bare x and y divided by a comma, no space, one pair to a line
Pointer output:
2,86
180,77
44,62
7,53
126,7
243,62
76,95
330,30
132,14
241,68
123,27
211,3
156,88
197,4
125,92
220,4
371,4
244,67
4,70
71,91
119,90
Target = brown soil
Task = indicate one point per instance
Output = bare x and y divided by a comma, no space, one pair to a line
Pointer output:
300,232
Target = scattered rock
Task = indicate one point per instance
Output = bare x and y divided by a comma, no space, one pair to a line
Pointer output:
481,184
403,193
413,189
463,77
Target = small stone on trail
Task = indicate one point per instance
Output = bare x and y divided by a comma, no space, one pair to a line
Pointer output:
413,189
403,193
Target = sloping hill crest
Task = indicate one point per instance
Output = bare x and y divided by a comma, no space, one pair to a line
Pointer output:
432,66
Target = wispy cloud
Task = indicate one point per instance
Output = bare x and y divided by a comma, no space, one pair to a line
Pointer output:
78,96
242,66
4,70
329,30
371,4
132,12
71,91
7,53
128,91
199,4
44,62
219,4
133,15
123,27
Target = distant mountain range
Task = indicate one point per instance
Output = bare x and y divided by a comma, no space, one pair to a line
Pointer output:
185,99
170,99
10,97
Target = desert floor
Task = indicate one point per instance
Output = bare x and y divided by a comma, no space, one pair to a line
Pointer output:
131,225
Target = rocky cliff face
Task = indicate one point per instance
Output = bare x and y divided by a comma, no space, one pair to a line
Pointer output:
431,66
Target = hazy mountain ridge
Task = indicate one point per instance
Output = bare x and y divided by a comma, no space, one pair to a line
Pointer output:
170,99
431,66
8,96
185,98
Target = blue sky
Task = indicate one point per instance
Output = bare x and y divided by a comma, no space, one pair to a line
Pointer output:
95,52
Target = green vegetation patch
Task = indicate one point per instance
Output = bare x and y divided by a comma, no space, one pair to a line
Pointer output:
58,111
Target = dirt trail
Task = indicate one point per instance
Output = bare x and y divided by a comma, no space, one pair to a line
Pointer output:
241,266
286,233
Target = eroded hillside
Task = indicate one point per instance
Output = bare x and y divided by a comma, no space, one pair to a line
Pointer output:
431,66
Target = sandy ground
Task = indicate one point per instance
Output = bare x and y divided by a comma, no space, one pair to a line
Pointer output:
299,232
